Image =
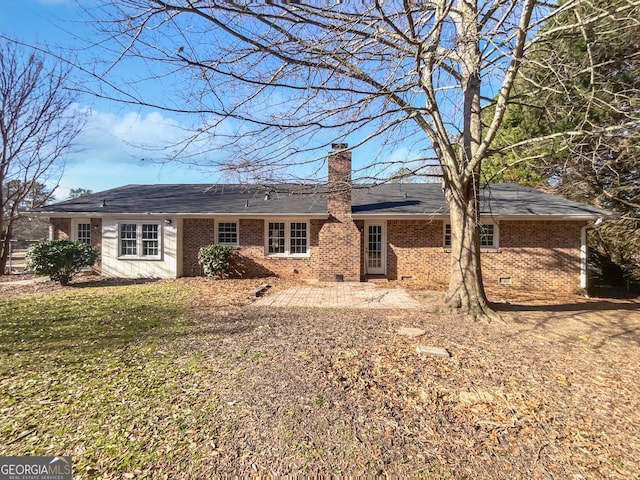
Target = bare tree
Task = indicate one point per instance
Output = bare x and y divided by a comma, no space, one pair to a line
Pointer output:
37,126
277,82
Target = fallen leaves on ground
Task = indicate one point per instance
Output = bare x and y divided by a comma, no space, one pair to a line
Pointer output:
249,391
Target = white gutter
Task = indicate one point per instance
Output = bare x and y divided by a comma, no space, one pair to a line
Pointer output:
584,258
174,214
442,216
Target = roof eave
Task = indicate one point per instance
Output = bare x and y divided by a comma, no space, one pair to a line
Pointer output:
445,216
177,214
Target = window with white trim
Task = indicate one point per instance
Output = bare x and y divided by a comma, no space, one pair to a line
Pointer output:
139,239
83,233
150,239
227,233
298,238
488,238
287,238
447,235
488,235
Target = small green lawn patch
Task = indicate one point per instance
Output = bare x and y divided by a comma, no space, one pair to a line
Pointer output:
88,373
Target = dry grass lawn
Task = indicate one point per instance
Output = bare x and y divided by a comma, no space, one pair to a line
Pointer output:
186,379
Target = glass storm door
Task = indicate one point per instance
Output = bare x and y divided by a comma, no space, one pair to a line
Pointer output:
375,249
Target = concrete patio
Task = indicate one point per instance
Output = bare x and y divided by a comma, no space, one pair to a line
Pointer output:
340,295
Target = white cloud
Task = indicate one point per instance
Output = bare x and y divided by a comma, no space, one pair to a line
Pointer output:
153,130
118,138
128,147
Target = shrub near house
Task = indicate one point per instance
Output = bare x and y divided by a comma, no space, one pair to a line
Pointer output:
60,259
215,260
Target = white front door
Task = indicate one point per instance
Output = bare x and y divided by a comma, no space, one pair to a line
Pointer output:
375,248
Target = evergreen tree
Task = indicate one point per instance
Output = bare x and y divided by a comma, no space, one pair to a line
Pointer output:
579,97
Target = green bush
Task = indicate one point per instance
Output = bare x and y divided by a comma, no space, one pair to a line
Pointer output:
60,259
215,260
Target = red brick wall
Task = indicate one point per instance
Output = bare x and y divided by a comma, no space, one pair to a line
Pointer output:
543,255
249,259
61,228
415,250
96,241
196,233
339,252
96,233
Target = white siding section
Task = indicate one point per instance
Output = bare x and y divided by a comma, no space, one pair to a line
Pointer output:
164,267
177,223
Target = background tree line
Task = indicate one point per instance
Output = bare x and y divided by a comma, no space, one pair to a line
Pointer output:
579,96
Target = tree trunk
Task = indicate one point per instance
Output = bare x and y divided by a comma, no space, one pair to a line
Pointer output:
466,289
4,248
461,179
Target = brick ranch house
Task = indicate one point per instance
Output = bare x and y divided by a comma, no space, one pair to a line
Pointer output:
336,231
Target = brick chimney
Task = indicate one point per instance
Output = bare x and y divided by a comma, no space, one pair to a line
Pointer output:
339,240
339,180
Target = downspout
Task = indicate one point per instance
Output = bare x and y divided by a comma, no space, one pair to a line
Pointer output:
584,254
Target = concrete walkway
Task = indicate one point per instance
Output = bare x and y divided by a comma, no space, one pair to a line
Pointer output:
29,281
340,295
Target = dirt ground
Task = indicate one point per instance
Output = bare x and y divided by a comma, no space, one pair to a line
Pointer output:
552,393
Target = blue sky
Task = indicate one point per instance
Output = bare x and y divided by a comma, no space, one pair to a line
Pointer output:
110,150
121,143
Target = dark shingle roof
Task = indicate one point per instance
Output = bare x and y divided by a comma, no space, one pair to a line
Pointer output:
198,199
502,199
510,200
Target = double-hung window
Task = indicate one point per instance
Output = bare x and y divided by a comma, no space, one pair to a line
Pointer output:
227,233
83,233
139,239
488,235
447,235
488,238
287,238
150,239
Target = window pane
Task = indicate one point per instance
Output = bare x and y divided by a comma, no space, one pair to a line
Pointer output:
228,233
149,231
298,238
374,246
84,233
447,235
486,236
276,237
150,238
128,242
